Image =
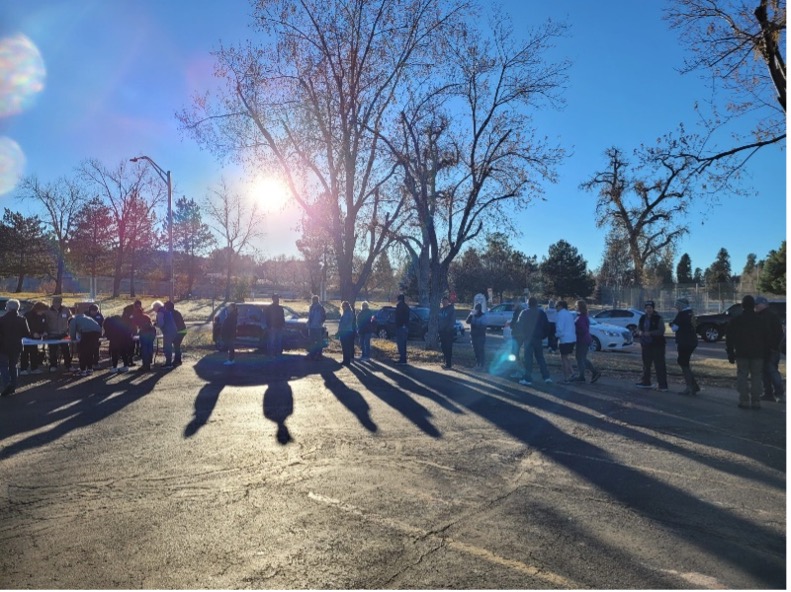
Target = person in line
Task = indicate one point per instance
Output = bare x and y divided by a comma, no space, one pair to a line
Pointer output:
447,330
402,328
772,379
365,327
13,328
552,313
58,316
166,323
582,329
96,315
138,319
477,324
651,331
566,336
228,332
347,332
31,355
275,322
119,330
534,326
684,326
747,343
85,332
147,336
317,315
181,332
517,338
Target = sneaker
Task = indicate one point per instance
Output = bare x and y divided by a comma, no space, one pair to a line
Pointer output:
525,382
23,372
662,389
548,380
51,368
124,369
37,371
763,397
114,370
89,371
643,385
9,390
595,377
743,405
170,366
226,363
82,373
132,364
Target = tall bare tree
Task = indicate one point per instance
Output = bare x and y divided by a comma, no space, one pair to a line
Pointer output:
308,105
61,200
644,206
129,192
468,152
741,46
237,221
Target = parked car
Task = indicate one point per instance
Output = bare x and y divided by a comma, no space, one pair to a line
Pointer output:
712,327
251,328
497,316
24,305
384,319
605,336
622,317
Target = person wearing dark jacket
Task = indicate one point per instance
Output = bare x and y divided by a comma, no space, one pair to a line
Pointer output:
58,317
447,329
517,339
13,327
181,332
684,326
773,381
651,331
347,332
228,332
119,330
402,328
96,315
85,332
147,336
534,327
477,322
31,355
747,344
365,327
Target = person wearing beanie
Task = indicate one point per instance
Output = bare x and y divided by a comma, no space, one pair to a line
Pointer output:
746,342
651,331
684,326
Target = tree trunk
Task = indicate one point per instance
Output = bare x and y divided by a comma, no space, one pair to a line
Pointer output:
59,274
228,277
19,282
119,260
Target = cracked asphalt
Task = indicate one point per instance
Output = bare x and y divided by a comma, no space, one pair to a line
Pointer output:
292,474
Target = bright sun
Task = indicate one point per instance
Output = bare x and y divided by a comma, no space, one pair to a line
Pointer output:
271,192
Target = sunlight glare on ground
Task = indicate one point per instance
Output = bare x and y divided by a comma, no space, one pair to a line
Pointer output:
270,192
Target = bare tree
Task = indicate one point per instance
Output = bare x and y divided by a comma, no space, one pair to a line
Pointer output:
123,189
62,201
236,222
468,152
645,208
740,45
310,104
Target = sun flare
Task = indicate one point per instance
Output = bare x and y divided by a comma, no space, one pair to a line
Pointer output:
271,193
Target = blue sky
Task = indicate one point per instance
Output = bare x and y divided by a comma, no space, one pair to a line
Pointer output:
115,72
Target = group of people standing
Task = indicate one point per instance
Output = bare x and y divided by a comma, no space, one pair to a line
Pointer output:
130,334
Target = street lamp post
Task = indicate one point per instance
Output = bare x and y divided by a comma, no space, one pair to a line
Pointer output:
165,176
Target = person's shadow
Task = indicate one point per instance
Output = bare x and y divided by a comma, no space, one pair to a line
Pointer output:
278,405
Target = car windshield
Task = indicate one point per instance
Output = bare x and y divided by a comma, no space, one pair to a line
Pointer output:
421,312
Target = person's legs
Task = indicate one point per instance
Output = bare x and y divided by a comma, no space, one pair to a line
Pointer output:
5,374
646,354
756,381
580,354
528,362
773,380
66,351
177,348
402,333
742,373
538,352
167,346
660,366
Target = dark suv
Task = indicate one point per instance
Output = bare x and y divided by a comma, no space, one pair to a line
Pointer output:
712,327
251,327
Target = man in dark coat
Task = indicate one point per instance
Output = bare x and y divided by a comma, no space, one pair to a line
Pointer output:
684,326
747,341
13,327
402,327
447,330
651,331
534,326
773,380
275,323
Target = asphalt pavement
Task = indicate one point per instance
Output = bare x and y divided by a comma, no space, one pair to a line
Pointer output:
290,474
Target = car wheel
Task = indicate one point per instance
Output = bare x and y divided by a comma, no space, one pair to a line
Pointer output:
382,334
711,333
633,329
595,344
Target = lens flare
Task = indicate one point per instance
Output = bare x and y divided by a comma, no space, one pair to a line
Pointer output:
22,74
12,164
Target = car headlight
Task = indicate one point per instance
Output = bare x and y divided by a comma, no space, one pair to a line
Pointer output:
612,333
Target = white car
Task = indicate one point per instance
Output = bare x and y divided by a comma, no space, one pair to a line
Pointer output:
622,317
497,316
605,336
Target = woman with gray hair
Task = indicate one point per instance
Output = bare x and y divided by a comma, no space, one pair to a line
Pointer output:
13,327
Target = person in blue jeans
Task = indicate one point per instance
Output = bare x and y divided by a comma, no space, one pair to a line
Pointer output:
477,324
534,326
402,328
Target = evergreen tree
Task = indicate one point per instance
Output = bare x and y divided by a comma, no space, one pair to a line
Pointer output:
566,273
684,270
24,248
719,282
773,274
